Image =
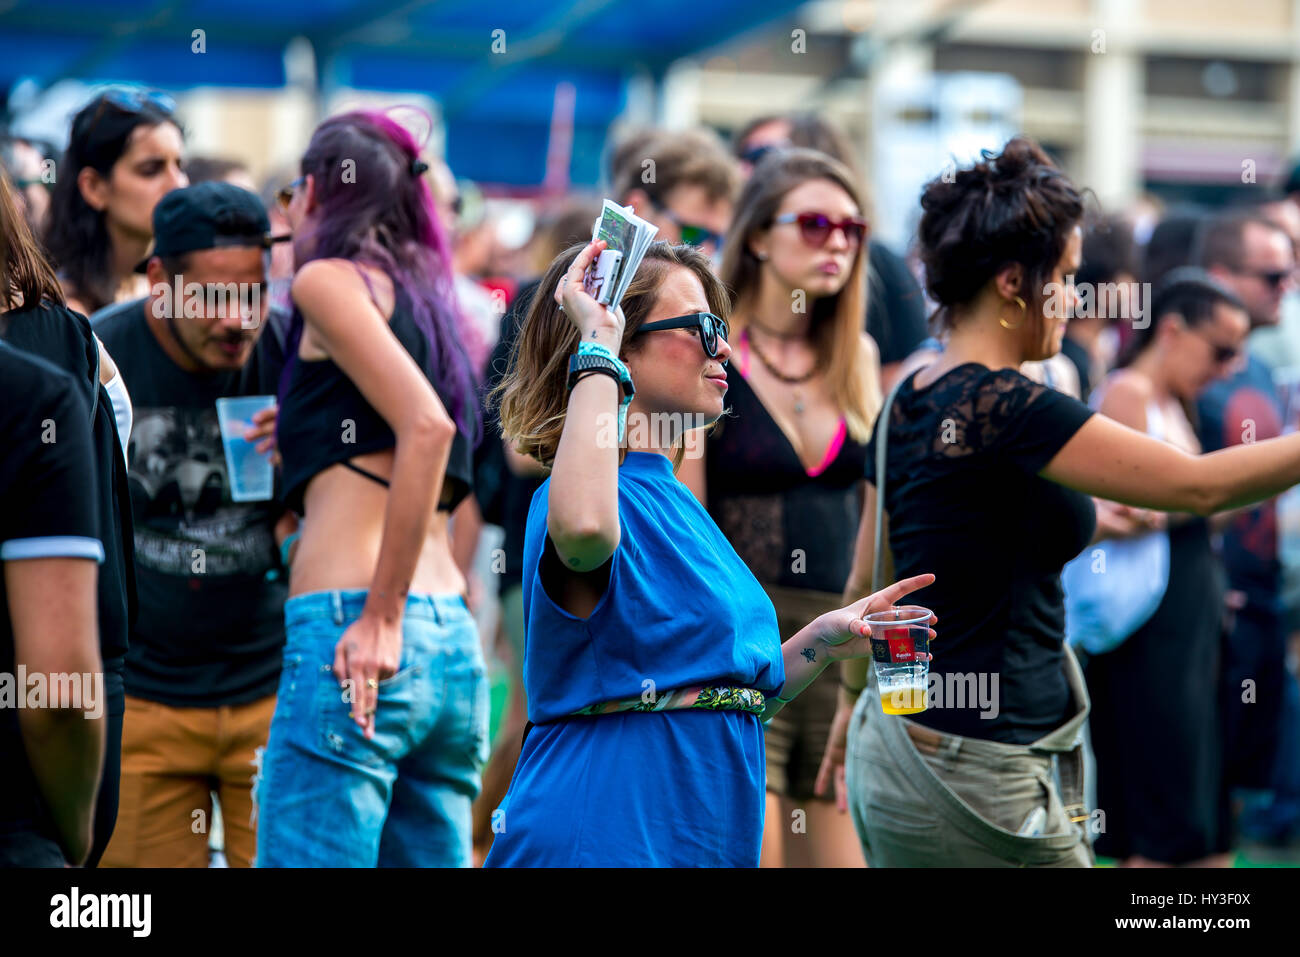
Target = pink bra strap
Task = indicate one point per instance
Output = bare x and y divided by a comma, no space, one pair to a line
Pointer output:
832,450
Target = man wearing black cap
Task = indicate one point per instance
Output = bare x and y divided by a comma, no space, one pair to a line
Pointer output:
204,662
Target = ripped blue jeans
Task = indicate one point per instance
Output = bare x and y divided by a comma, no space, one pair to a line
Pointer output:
326,796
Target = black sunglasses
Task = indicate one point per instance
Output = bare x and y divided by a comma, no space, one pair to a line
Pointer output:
1273,278
711,329
1222,353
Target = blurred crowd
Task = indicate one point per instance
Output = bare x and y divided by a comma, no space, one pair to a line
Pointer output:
194,657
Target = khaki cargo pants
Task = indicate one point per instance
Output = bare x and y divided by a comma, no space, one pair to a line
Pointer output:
958,802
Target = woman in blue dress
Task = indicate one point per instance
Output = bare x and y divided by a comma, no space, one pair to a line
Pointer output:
652,653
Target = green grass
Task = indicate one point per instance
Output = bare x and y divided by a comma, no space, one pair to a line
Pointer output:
1245,857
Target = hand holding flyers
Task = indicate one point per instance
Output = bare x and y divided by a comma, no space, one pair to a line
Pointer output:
626,237
599,279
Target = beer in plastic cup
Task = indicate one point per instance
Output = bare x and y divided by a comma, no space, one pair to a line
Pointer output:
900,654
252,476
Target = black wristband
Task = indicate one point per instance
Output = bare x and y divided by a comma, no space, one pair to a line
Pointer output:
579,364
855,691
576,377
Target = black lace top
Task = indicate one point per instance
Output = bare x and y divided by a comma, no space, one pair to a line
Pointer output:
965,502
792,526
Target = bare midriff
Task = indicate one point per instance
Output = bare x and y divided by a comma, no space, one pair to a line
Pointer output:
343,529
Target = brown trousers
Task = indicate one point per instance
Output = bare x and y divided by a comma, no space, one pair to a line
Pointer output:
172,761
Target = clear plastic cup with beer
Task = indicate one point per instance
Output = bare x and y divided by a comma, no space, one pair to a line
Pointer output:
900,654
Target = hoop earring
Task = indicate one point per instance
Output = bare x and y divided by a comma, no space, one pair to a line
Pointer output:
1024,311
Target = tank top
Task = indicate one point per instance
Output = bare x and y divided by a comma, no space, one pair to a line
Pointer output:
794,527
1155,415
324,419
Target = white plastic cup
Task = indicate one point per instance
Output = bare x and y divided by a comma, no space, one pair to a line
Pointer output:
252,477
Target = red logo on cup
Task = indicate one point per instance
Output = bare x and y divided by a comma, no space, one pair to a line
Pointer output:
901,647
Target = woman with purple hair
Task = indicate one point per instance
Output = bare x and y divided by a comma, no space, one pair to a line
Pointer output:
380,727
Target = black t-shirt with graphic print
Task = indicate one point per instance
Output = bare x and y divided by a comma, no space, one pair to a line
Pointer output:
210,628
965,502
48,503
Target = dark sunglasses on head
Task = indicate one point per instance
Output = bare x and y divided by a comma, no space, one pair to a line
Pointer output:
711,329
816,228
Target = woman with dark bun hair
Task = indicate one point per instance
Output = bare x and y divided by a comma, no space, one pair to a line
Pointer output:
987,483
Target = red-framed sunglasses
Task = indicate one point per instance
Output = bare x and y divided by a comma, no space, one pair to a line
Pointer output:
816,228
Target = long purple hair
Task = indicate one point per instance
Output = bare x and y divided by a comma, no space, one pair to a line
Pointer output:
373,209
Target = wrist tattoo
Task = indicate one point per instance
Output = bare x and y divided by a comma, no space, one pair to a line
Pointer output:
810,654
573,562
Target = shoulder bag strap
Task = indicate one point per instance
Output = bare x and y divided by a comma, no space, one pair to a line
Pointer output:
882,441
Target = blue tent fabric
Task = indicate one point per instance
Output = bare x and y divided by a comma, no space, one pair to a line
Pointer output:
493,66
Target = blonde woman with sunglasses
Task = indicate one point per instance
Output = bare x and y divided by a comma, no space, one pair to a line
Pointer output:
783,472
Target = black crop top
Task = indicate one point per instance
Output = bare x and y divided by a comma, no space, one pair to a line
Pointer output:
324,420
